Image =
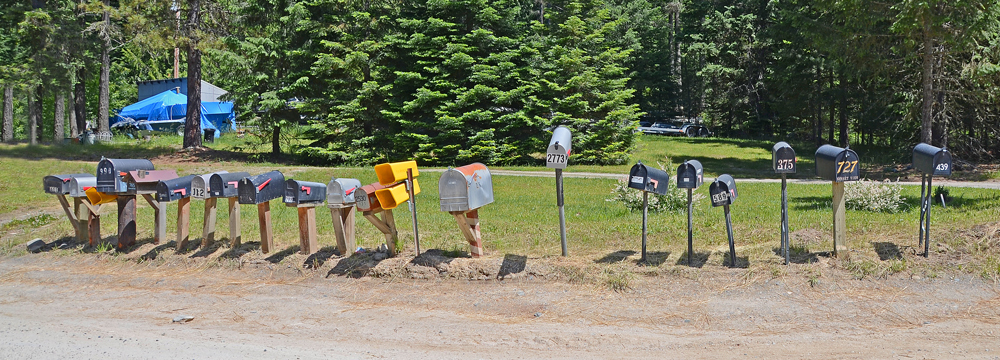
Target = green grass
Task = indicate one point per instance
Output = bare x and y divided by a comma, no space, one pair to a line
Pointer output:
523,219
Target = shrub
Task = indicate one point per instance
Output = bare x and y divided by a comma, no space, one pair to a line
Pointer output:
877,196
674,200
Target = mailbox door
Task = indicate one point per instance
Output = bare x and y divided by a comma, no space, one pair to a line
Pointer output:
720,193
201,186
942,163
638,176
783,158
847,166
690,175
366,198
226,185
78,186
341,191
301,192
174,189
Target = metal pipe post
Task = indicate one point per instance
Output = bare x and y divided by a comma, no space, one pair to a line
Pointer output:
785,240
690,233
927,226
413,209
923,209
645,213
562,211
729,231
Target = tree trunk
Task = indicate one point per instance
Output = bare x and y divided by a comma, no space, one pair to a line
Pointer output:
80,100
58,133
74,129
32,117
104,99
275,137
818,121
843,112
833,110
8,113
927,89
192,127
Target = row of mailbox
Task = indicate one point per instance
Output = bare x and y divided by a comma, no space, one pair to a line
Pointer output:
462,189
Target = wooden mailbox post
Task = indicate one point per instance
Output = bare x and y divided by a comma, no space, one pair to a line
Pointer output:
838,165
341,200
260,190
111,175
306,196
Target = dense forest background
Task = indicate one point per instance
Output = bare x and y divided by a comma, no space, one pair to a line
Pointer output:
453,81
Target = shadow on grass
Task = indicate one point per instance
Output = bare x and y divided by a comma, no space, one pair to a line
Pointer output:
317,259
433,258
617,256
887,251
801,255
63,243
512,264
281,255
654,259
152,254
356,266
805,203
741,262
242,249
207,250
698,260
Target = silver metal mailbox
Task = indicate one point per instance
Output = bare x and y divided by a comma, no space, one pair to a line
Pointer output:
783,158
560,147
466,188
932,160
201,185
78,186
60,184
340,192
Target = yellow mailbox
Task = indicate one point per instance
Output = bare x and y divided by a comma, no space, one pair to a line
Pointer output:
97,198
392,196
390,173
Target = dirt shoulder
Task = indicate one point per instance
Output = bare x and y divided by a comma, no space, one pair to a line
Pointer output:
101,306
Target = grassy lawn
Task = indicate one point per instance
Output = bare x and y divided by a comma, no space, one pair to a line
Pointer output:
523,220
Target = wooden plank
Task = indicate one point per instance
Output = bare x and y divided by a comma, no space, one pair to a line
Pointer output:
69,213
339,230
348,214
82,213
235,233
378,223
392,236
160,219
475,246
208,226
94,228
840,249
308,243
126,221
266,232
183,222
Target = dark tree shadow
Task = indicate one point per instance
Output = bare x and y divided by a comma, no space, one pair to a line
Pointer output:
66,242
887,251
512,264
432,258
617,256
356,266
281,255
138,244
741,262
317,259
242,249
655,258
189,247
800,254
208,250
698,260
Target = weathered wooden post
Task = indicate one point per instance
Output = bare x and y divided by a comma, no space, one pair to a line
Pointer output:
226,185
838,165
260,190
306,196
340,199
110,180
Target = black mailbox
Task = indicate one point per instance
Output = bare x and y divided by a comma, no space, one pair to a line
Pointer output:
783,158
932,160
647,178
723,190
837,164
340,192
174,189
262,188
304,192
60,184
226,185
690,175
110,173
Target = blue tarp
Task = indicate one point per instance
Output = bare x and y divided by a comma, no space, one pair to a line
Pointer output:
170,108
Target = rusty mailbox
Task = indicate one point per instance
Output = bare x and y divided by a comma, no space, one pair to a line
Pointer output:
930,161
304,192
174,189
366,198
649,179
226,185
144,182
261,188
465,188
837,164
111,173
60,184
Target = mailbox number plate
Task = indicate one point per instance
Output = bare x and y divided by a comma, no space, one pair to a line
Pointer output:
787,164
556,159
198,192
846,167
720,198
363,202
942,167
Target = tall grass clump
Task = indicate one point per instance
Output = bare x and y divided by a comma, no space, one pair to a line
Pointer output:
674,200
876,196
